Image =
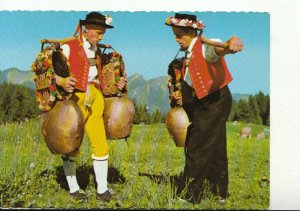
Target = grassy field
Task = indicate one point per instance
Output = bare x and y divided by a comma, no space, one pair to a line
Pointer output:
142,171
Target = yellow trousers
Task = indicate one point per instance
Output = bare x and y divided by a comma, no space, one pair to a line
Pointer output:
94,124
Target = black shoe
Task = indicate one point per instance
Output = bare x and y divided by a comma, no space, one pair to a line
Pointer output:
106,196
222,198
78,196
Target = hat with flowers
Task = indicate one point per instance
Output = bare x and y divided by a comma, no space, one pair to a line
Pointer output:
185,21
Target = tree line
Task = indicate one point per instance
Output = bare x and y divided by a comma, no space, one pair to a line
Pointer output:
142,115
255,109
18,103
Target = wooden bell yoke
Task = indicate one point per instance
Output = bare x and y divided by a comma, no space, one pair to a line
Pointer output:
63,125
62,122
119,110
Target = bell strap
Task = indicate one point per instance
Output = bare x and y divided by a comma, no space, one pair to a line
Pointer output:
79,29
92,61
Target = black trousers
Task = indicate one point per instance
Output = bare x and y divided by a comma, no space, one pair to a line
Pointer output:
205,150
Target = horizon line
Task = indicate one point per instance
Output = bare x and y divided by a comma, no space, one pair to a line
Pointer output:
146,79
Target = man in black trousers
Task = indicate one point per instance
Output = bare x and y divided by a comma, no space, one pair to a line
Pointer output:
207,100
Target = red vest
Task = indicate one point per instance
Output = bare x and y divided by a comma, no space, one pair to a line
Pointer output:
79,64
207,77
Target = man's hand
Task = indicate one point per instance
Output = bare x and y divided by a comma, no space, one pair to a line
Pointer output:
235,45
67,83
177,96
121,83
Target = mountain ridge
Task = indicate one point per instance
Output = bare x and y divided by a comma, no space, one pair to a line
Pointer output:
152,92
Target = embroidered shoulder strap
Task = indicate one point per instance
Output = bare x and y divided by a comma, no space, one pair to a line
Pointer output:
175,77
49,61
113,68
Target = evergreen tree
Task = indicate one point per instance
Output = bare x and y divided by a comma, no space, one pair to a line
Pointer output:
7,93
136,118
233,111
242,111
17,103
1,116
267,114
163,118
263,103
255,114
145,116
141,114
156,116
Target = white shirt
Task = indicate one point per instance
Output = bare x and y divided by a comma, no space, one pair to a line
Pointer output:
208,53
93,72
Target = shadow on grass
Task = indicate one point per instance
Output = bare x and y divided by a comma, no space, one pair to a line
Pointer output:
83,174
163,178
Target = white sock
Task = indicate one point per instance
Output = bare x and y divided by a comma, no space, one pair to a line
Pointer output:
101,169
69,167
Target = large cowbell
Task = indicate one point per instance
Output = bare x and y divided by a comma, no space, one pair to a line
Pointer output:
177,123
118,117
119,110
63,127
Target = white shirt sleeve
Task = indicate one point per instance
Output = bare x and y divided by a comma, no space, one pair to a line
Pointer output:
209,53
66,50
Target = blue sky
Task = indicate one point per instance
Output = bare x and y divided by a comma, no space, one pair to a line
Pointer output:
145,42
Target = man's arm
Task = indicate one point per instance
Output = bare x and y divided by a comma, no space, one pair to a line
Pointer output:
67,83
235,45
122,83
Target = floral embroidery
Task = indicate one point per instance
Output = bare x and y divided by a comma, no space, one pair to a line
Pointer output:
44,78
174,78
113,69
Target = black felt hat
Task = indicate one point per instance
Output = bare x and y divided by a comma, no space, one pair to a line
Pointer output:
186,16
96,18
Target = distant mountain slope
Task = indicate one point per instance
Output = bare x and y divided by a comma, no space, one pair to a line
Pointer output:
237,97
152,92
16,76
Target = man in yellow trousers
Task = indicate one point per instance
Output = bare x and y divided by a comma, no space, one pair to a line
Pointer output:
86,82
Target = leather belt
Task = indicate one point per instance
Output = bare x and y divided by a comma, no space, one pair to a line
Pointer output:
92,61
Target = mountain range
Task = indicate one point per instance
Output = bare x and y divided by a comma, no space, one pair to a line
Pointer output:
153,92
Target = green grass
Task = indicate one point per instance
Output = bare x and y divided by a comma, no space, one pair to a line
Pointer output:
142,171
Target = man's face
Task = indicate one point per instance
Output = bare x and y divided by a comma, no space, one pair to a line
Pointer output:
94,34
183,37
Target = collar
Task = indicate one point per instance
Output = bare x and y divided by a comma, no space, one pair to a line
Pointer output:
88,45
86,42
189,50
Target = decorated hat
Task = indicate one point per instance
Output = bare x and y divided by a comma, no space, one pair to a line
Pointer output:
185,21
96,18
